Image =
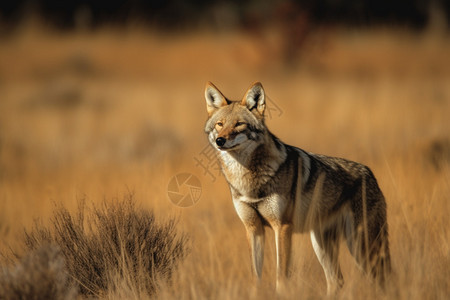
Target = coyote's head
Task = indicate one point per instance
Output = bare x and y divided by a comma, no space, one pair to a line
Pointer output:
235,125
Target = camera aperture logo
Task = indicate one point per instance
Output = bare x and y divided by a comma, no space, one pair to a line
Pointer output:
184,189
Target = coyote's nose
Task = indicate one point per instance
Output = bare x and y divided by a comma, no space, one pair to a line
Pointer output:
220,141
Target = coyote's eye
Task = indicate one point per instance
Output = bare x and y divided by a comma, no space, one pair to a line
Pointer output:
239,124
219,125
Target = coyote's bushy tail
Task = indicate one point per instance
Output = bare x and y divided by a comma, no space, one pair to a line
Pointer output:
367,232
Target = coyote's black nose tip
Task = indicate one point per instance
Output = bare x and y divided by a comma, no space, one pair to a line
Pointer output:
220,141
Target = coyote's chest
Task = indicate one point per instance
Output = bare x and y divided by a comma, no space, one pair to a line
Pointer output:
248,181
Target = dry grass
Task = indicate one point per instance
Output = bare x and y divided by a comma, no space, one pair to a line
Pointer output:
41,274
96,115
100,252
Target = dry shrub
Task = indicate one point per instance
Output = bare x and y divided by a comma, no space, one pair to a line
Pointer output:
115,242
39,275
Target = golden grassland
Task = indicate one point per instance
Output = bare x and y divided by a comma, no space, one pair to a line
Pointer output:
99,115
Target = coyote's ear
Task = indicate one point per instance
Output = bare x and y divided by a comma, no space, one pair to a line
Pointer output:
214,98
254,98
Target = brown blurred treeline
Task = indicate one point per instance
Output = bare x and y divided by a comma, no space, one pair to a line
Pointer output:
220,14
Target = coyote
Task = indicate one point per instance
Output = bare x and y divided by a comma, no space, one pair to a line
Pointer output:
291,190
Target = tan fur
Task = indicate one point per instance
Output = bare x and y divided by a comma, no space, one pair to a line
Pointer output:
291,190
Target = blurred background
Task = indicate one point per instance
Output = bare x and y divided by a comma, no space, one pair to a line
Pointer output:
102,98
219,14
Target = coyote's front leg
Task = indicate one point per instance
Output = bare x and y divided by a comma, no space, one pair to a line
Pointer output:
255,235
283,238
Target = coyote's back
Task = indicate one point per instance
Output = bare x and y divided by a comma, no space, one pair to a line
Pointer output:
290,190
